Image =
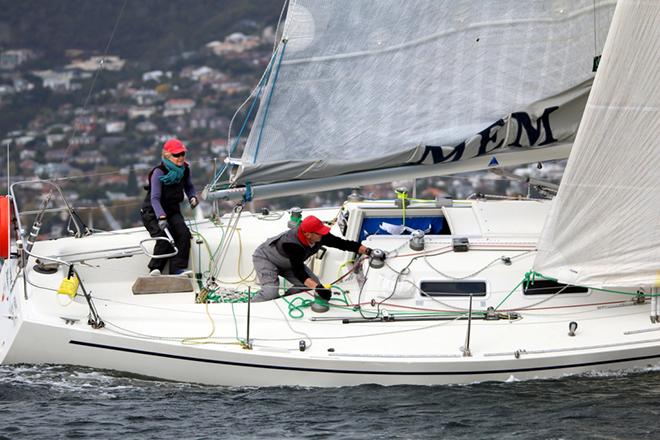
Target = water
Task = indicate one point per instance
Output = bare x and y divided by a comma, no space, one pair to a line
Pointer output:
73,402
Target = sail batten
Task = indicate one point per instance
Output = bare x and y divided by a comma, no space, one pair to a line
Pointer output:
604,227
370,84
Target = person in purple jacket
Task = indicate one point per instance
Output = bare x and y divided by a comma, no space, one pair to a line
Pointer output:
167,184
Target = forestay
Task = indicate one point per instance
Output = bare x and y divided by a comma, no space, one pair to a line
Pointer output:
604,228
369,84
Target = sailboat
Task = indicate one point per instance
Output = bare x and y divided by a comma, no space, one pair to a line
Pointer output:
464,290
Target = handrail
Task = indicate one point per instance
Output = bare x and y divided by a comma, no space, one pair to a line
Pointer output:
43,257
68,207
81,228
169,239
125,251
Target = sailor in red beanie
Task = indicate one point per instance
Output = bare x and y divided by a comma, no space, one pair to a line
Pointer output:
168,182
284,256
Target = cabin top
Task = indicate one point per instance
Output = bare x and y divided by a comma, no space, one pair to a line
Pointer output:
469,218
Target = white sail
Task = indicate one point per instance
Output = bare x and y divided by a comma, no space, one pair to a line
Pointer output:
604,228
370,84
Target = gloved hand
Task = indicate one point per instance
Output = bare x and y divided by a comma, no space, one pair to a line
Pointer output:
193,202
162,223
323,293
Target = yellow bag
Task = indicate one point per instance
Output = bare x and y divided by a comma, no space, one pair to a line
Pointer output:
69,286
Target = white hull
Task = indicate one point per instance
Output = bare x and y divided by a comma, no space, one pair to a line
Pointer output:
169,336
261,367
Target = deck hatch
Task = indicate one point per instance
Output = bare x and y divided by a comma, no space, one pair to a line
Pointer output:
453,288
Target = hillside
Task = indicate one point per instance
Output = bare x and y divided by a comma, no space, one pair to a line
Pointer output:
149,30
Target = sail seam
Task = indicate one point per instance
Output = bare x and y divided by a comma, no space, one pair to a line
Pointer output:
437,35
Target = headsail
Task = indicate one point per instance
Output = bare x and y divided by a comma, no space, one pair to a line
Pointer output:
372,84
604,228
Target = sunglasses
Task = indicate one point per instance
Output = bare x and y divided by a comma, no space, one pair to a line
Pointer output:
182,154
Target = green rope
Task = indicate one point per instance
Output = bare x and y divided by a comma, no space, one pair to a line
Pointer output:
296,306
645,295
214,297
530,277
344,299
510,293
241,341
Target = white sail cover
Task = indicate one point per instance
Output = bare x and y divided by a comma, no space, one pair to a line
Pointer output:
604,227
369,84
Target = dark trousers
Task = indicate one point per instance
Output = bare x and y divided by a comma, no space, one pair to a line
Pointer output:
181,235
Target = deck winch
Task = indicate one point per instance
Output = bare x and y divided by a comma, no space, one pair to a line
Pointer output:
416,242
295,217
377,259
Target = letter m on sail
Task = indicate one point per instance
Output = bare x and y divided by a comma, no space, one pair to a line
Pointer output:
533,133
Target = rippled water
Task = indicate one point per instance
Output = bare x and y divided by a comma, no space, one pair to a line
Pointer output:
74,402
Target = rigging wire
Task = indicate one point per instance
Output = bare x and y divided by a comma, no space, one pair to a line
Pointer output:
252,93
96,75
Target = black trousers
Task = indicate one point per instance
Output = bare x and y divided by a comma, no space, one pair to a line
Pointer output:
181,235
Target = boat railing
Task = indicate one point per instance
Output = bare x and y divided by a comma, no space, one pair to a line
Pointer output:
169,239
76,227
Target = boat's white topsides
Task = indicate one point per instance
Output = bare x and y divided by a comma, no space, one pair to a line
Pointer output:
381,327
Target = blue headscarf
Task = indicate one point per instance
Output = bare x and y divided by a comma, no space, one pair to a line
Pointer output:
174,173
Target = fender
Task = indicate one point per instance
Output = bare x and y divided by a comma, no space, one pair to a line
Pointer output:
5,223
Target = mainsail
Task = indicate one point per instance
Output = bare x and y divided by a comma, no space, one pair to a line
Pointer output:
604,227
361,85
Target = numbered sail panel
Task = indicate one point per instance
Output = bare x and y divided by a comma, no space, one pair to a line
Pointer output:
378,84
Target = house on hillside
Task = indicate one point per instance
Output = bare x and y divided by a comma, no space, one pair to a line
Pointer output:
11,59
145,112
144,96
232,88
54,170
55,138
90,157
82,140
108,62
146,127
115,126
233,44
84,123
6,89
154,75
56,155
219,146
56,81
178,107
